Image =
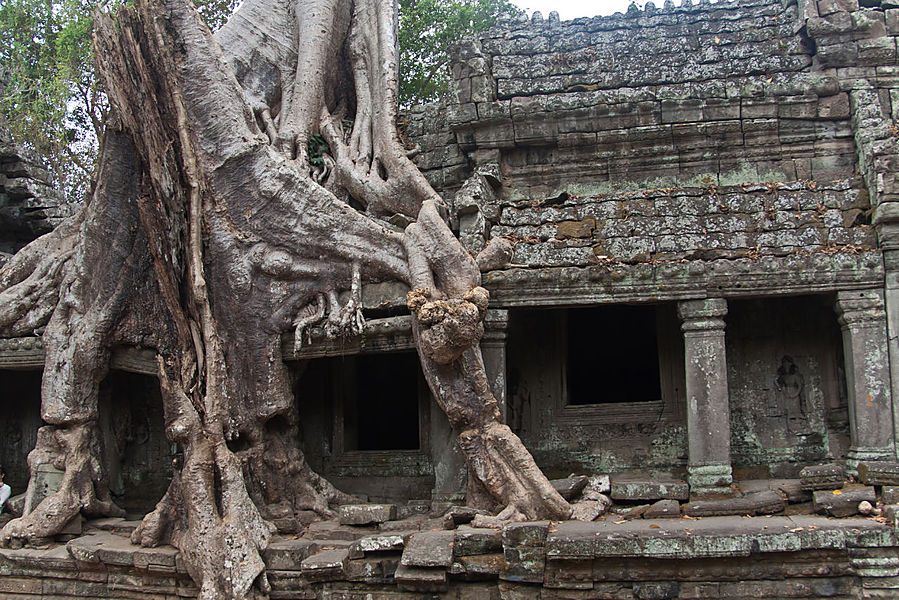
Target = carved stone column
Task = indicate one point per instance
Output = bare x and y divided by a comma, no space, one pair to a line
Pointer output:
493,349
708,400
886,217
866,357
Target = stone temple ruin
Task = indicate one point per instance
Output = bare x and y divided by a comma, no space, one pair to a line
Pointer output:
700,316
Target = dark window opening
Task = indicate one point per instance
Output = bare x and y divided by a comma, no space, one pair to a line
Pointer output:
383,412
613,355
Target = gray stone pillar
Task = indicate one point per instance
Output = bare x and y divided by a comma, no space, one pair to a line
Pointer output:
708,401
887,220
493,350
866,357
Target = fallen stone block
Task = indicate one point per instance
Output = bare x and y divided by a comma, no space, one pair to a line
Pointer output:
793,491
630,512
327,565
570,487
417,579
663,509
757,503
842,503
410,524
573,540
459,515
634,490
822,477
590,510
366,514
529,534
879,473
384,542
482,567
329,530
429,549
523,564
287,555
890,495
596,484
470,541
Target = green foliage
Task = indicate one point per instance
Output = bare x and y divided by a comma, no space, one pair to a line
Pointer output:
427,29
54,104
52,99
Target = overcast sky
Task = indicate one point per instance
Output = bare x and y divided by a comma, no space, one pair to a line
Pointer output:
571,9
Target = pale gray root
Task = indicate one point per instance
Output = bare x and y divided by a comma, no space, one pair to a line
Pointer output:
97,264
83,487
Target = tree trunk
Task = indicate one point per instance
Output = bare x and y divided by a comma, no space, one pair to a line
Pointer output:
212,231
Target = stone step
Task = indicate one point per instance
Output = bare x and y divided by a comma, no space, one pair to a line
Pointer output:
822,477
429,549
842,503
879,473
366,514
636,490
570,487
757,503
327,565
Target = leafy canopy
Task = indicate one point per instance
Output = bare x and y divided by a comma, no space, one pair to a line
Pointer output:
54,105
427,29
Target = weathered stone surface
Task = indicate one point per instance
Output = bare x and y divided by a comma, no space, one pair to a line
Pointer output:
327,565
479,567
630,512
842,503
429,549
822,477
420,579
523,564
285,555
530,534
590,510
757,503
635,490
385,542
572,540
470,541
890,495
879,473
458,515
366,514
329,530
663,509
570,487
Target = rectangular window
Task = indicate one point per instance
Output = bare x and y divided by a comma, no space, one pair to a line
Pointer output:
613,355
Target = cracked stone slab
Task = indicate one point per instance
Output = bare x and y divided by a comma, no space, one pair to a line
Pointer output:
287,555
366,514
327,565
822,477
429,549
879,473
419,579
633,490
384,542
757,503
471,541
842,503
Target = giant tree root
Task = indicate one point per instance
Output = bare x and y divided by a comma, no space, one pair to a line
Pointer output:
83,487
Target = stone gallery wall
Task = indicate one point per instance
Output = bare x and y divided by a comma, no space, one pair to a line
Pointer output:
30,206
740,149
